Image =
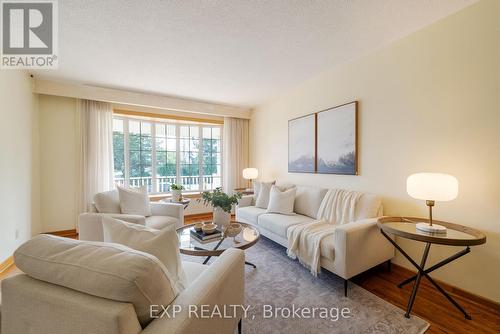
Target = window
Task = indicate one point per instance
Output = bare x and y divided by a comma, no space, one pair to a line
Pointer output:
159,153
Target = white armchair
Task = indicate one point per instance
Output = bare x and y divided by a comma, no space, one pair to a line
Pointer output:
90,223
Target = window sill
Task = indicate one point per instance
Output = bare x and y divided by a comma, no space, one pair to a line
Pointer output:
159,197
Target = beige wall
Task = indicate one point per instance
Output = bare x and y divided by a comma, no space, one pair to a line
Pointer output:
428,102
58,162
18,161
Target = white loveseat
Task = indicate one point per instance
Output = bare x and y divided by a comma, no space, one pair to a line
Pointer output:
162,215
353,248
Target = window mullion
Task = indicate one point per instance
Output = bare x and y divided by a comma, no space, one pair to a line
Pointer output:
153,158
126,153
221,153
200,158
178,154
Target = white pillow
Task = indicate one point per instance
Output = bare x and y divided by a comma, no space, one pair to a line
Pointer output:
256,189
107,202
162,244
262,200
281,201
134,201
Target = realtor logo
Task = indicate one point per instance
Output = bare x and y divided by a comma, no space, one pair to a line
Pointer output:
29,34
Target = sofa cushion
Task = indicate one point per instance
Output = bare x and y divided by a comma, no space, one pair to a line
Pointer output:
160,222
107,202
308,199
163,244
100,269
250,213
134,201
368,206
281,201
279,224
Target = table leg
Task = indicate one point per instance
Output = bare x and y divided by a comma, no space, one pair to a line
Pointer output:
422,272
417,280
246,262
215,248
436,266
251,264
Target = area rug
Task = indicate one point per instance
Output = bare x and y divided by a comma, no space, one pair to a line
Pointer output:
280,284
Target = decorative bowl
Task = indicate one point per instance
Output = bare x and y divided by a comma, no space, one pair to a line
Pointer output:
233,230
209,228
198,227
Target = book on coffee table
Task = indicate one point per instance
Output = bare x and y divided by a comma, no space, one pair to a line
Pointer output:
205,237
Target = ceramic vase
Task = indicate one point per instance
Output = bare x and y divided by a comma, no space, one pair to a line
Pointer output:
221,218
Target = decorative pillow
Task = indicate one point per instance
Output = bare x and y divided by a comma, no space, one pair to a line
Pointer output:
308,200
107,202
163,244
100,269
281,201
262,200
134,201
256,190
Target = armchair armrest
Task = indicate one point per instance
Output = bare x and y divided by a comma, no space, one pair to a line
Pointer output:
222,283
90,224
246,200
175,210
359,246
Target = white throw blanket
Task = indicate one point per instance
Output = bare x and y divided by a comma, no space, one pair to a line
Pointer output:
304,239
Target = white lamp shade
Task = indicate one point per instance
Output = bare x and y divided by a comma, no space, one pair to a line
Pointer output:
250,173
432,186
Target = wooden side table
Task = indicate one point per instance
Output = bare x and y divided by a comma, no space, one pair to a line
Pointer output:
244,191
456,235
185,201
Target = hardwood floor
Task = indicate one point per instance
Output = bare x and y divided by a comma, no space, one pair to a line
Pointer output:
429,304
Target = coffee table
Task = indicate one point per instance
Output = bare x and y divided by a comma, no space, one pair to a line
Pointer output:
188,245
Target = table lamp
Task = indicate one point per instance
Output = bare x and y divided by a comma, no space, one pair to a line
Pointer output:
432,187
250,174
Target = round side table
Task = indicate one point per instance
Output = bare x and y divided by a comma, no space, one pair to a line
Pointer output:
184,201
456,235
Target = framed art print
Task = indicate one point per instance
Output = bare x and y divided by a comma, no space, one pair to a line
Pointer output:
337,140
302,144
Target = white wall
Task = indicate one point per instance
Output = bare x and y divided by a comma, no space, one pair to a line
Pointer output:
18,161
428,102
58,163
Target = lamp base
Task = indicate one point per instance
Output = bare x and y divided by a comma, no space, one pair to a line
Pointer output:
426,227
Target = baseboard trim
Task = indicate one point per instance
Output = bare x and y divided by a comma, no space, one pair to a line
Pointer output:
6,264
453,289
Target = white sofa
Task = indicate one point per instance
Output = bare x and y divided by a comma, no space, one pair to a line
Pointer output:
53,298
353,248
162,215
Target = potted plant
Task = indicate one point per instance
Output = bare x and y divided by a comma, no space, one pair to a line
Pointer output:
176,192
222,204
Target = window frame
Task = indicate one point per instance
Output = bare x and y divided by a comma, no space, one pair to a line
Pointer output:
177,123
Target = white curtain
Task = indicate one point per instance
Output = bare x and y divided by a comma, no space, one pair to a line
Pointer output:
235,153
96,150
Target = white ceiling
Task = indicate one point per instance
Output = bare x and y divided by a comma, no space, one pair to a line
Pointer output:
237,52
